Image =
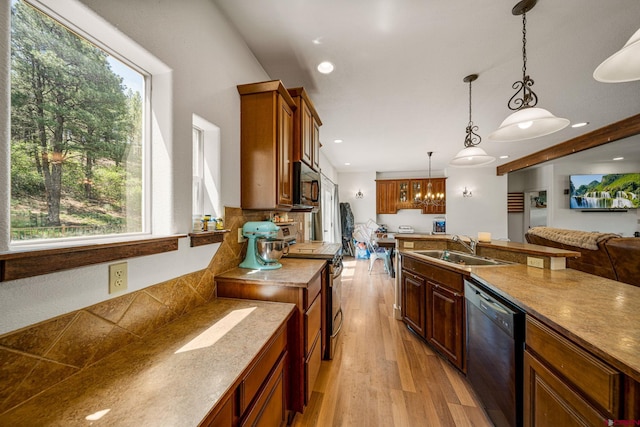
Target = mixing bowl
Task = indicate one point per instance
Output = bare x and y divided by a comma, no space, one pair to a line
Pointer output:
271,250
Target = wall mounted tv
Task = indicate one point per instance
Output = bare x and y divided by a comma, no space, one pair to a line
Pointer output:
605,192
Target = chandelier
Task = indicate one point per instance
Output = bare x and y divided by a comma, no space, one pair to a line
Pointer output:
431,198
528,121
471,155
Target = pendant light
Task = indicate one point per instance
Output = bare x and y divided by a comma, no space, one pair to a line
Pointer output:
471,155
528,121
430,198
622,66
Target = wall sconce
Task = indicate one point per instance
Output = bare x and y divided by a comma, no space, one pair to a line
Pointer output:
359,195
467,193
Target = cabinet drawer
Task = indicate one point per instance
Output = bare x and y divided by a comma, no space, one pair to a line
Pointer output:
269,409
258,374
313,290
594,378
312,367
312,320
449,278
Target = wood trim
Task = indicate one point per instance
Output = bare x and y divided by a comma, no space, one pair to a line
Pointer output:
270,86
299,91
207,237
613,132
28,263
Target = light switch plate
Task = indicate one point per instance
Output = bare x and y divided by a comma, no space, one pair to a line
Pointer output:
241,238
408,245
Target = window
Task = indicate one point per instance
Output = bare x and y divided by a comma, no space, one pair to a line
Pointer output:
206,169
78,133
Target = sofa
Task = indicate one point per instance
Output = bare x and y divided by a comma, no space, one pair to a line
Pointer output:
602,254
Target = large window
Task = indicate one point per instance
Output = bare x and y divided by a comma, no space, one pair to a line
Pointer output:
77,134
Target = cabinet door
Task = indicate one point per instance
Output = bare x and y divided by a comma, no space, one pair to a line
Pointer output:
269,409
284,143
548,401
438,186
315,146
445,322
417,190
404,196
306,137
385,197
414,301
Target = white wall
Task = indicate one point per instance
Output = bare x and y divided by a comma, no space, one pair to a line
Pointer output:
208,59
348,185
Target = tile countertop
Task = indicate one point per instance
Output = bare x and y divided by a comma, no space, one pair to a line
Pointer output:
526,248
600,314
294,272
151,382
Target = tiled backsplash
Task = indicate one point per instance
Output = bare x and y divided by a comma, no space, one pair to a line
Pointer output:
37,357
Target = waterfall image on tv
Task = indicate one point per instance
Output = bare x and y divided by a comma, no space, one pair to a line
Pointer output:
611,191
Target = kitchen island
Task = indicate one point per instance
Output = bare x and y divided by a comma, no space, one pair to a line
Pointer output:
174,377
582,357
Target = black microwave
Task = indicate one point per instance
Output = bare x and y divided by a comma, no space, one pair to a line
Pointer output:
306,188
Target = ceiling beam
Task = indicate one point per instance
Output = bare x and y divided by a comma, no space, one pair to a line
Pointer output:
613,132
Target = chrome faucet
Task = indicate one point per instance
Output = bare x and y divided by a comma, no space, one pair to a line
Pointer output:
471,246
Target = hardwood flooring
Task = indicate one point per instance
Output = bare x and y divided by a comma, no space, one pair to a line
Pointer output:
382,374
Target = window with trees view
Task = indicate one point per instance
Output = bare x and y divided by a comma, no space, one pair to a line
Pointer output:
77,132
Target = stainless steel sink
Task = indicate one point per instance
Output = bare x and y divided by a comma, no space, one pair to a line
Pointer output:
460,258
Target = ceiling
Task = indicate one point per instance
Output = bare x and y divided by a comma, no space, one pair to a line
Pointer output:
397,91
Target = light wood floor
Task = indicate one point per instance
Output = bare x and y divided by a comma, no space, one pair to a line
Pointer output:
382,374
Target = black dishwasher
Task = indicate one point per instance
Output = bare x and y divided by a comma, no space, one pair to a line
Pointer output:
495,340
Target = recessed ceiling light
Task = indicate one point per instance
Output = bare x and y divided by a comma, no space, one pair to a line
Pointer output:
579,125
325,67
504,157
337,141
347,164
317,41
618,158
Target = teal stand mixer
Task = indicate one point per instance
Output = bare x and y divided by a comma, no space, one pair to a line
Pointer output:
263,249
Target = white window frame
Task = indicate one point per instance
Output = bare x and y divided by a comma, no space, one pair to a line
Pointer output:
157,133
210,168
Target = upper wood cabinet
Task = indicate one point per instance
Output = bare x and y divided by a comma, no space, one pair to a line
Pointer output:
392,195
386,195
306,130
266,153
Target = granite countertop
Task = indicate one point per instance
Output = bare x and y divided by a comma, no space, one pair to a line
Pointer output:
295,272
527,248
599,314
153,382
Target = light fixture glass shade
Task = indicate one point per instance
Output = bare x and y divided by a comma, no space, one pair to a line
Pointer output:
471,157
527,123
622,66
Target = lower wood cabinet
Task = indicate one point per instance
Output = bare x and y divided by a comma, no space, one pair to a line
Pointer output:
414,297
564,384
305,335
445,321
432,305
260,396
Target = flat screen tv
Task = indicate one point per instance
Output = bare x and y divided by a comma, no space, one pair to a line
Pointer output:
615,191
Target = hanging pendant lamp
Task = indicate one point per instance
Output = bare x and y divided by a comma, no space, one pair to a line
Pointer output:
431,198
471,155
622,66
528,121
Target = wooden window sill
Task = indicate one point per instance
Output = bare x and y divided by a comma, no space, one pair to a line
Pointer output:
28,262
207,237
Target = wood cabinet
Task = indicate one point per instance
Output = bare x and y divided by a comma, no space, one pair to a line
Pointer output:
386,195
414,301
260,398
445,321
266,152
566,385
306,129
392,195
432,304
306,340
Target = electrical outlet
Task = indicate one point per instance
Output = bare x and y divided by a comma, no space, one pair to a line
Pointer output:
241,238
118,277
408,245
535,262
